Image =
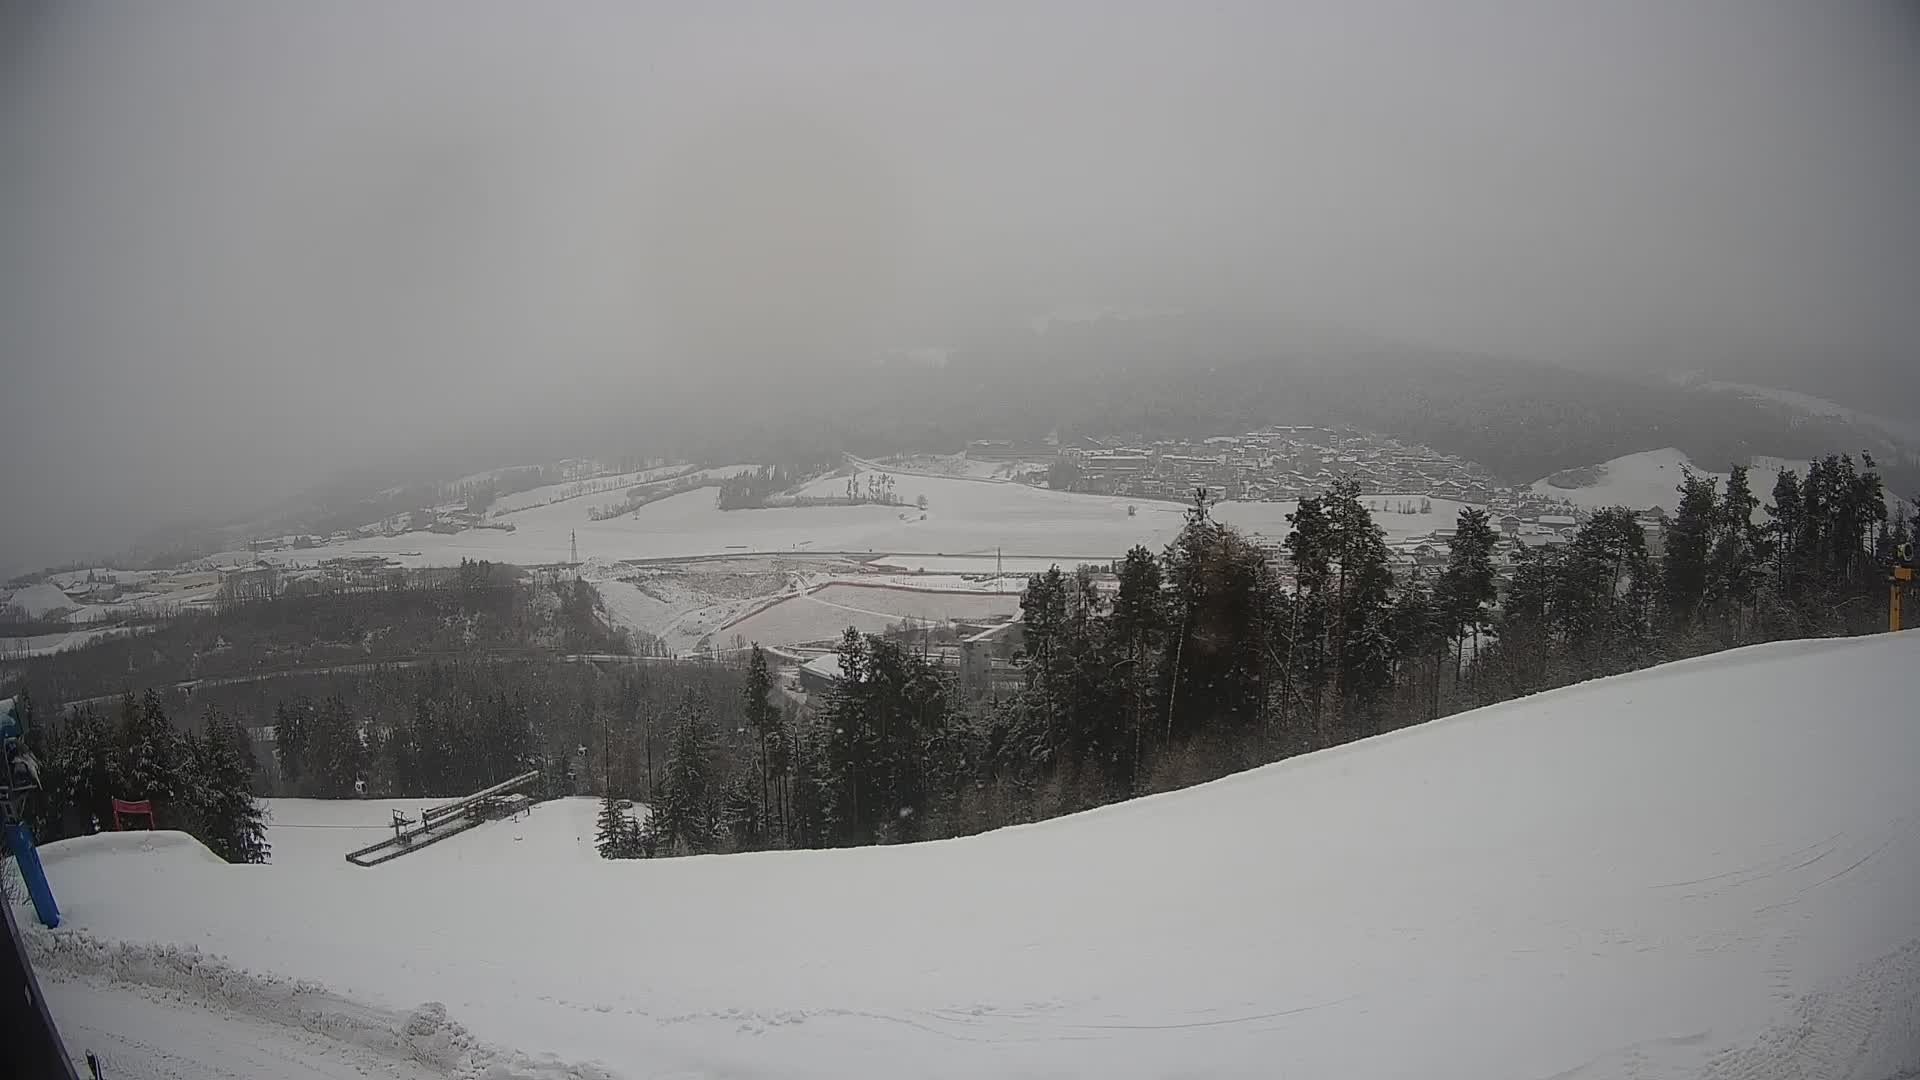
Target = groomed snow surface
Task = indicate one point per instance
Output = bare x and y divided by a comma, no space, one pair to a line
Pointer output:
1707,869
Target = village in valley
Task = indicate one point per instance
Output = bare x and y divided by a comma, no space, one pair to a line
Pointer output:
1287,463
944,560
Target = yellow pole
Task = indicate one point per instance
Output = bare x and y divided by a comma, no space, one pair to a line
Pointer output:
1900,576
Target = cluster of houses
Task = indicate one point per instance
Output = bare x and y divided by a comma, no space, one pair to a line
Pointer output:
1275,463
1519,529
440,519
101,585
981,654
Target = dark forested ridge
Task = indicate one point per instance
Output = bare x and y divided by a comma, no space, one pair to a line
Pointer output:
478,610
1521,420
1180,377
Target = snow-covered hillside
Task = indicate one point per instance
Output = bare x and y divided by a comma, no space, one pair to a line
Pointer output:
1905,428
1651,478
1707,869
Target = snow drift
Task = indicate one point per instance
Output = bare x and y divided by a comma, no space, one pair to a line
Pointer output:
1709,868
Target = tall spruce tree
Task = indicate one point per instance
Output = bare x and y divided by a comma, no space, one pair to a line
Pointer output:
231,822
1465,593
1420,632
153,761
764,719
876,725
293,724
1043,610
1689,537
1305,624
1218,598
336,754
1364,655
1738,559
615,835
1138,629
686,811
1787,514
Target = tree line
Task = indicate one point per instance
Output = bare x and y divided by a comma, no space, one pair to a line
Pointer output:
1214,655
198,779
750,489
473,609
434,730
1217,654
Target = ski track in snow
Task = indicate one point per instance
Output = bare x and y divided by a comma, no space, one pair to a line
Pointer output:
185,1006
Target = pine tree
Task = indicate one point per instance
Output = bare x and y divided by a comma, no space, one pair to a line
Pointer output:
153,761
614,836
1043,610
231,821
763,717
76,774
1420,630
1219,596
874,732
1465,593
1364,658
1303,622
687,806
1738,558
292,723
337,757
1620,585
1690,535
1138,627
741,812
1788,516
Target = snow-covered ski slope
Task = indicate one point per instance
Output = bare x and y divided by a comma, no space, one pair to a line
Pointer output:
1706,869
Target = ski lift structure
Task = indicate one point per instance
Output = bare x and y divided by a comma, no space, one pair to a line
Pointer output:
22,777
1899,579
508,798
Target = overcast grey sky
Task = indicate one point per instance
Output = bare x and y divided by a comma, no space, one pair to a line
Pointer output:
252,242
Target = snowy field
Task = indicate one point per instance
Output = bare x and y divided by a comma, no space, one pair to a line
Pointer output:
786,601
823,614
973,564
963,517
48,644
968,527
1707,869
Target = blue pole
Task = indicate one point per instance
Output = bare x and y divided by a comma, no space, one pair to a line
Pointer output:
28,860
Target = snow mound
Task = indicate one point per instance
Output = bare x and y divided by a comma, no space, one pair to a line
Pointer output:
163,842
424,1035
35,601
